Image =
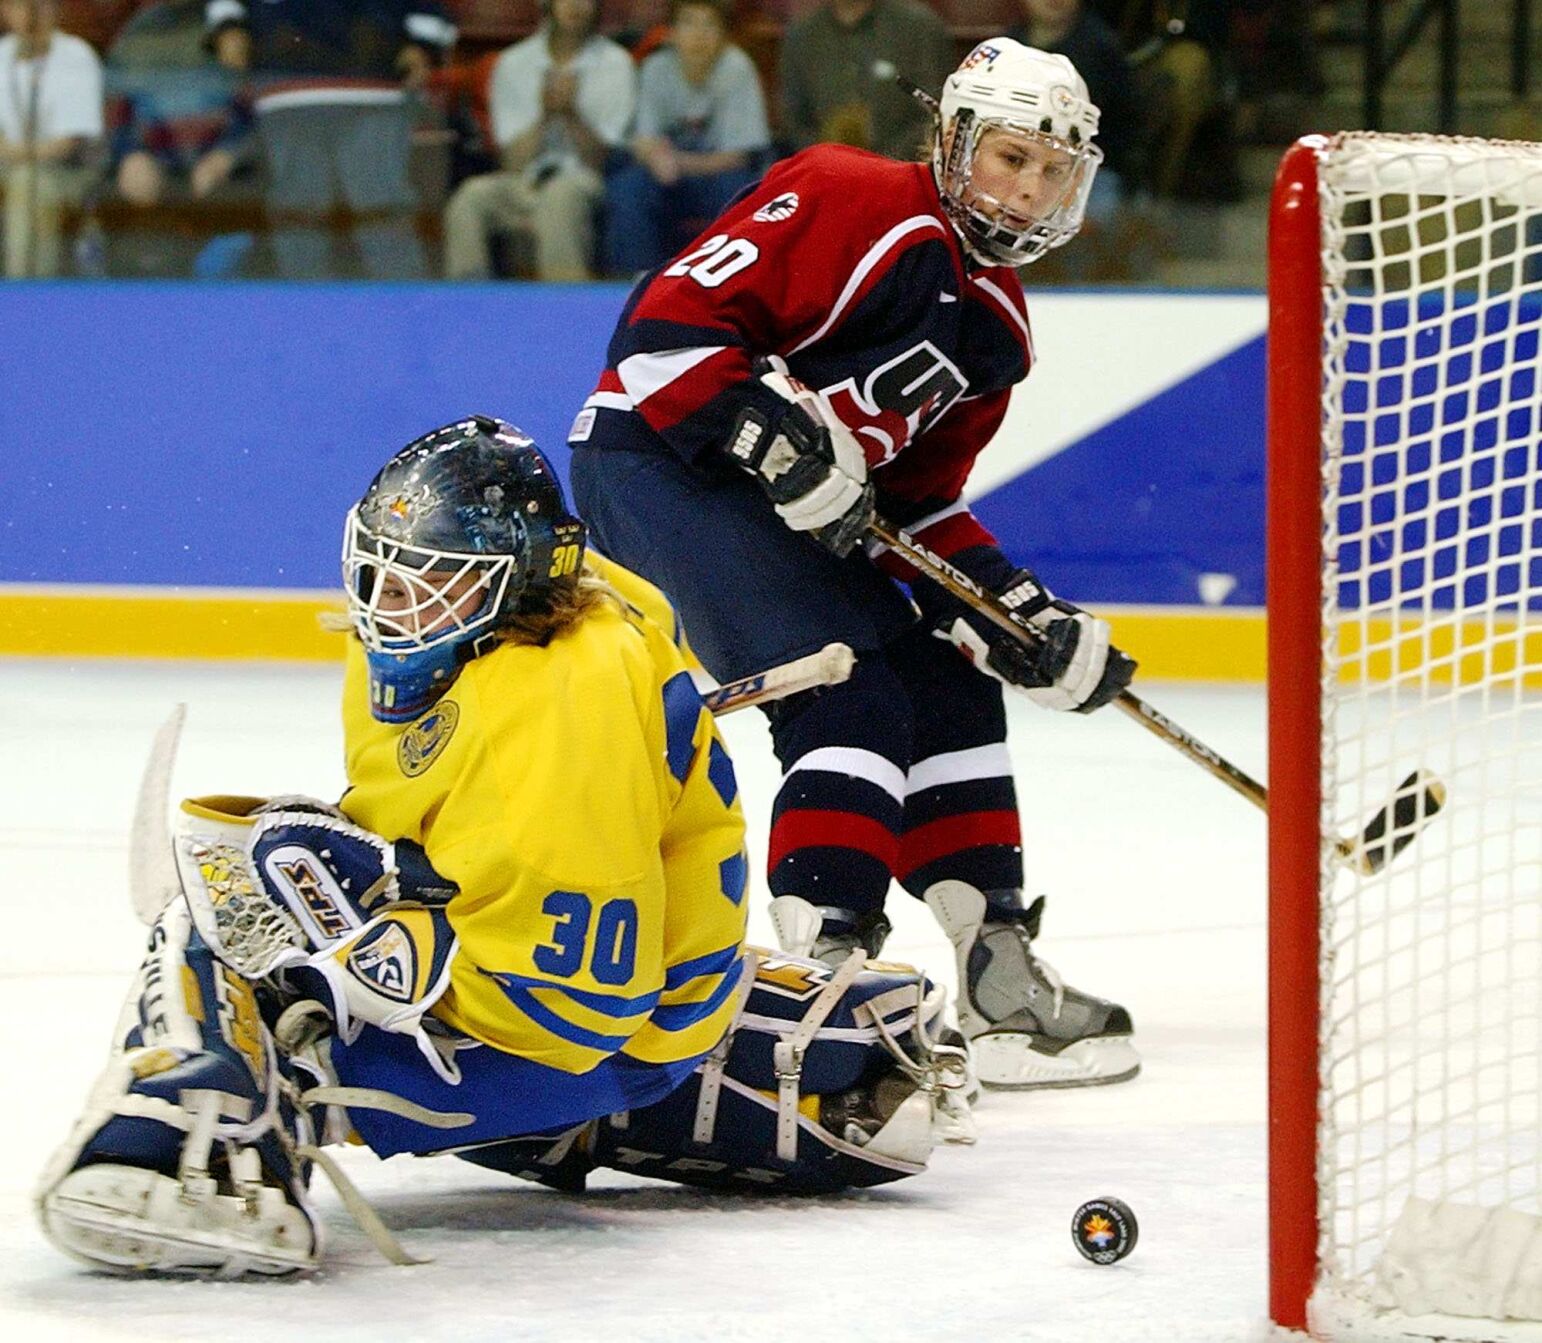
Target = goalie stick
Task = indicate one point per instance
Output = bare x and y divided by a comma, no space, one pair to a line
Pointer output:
1416,801
153,880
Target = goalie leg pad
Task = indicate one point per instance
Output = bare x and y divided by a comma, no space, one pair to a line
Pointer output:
828,1080
184,1159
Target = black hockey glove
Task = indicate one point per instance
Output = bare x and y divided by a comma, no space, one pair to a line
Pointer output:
1074,667
805,459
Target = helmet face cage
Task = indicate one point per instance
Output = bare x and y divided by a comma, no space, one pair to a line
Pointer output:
435,596
1007,238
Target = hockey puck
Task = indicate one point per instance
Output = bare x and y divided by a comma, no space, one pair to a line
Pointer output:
1104,1230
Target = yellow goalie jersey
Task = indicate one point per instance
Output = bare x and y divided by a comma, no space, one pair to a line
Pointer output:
579,796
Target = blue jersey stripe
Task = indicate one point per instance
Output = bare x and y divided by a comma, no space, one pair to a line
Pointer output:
720,770
608,1004
733,876
548,1020
682,710
713,963
679,1016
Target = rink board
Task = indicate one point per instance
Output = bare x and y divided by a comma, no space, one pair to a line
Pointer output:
179,456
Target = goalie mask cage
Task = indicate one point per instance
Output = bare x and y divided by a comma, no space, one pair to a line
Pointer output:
1405,585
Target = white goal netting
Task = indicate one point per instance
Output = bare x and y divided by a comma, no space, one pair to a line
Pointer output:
1430,1160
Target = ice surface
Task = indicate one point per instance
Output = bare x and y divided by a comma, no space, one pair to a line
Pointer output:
1156,885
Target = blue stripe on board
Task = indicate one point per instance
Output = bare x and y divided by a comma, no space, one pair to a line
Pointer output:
214,420
1138,510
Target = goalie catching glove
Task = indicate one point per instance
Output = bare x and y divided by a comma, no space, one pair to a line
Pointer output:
808,462
1069,665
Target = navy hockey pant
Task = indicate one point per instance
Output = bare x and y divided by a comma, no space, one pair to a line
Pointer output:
900,772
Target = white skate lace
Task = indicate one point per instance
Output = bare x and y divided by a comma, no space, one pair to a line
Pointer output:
364,1216
940,1069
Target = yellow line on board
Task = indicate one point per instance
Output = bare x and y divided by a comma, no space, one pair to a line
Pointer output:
101,623
1186,643
1180,644
1171,643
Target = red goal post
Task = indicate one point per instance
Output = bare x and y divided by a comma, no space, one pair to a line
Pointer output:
1295,601
1405,592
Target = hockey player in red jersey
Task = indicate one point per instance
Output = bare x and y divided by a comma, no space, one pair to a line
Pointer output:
844,338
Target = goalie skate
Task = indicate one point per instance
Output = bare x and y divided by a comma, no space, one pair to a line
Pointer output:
1027,1028
220,1215
825,932
132,1220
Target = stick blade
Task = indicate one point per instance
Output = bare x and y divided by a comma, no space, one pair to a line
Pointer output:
153,881
1417,801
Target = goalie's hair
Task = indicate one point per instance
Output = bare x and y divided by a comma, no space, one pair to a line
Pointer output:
566,602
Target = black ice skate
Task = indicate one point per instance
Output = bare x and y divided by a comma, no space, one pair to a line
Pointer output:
826,932
1028,1029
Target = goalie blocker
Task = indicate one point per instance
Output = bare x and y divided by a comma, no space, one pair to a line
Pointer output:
285,1004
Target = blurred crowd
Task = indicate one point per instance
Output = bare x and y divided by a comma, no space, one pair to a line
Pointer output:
547,139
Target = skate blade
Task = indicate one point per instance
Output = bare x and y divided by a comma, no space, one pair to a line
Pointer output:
1007,1061
128,1220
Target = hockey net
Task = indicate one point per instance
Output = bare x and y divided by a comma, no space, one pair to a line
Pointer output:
1405,594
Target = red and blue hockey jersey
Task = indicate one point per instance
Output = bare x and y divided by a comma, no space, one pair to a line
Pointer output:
843,263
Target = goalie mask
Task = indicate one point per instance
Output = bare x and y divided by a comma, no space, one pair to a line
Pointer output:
1029,111
462,530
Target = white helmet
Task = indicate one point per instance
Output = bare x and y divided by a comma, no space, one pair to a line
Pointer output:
1003,85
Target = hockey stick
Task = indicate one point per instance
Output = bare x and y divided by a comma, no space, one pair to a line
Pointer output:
831,665
153,880
1417,800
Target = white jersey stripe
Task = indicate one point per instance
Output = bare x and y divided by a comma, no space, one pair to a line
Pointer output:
856,762
644,374
978,762
931,519
609,401
997,293
875,254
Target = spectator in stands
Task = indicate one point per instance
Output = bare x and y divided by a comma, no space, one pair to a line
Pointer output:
1178,50
701,138
1272,46
560,101
179,124
334,87
50,123
1070,29
838,73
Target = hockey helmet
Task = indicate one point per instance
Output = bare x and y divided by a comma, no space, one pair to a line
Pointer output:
1006,86
462,530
